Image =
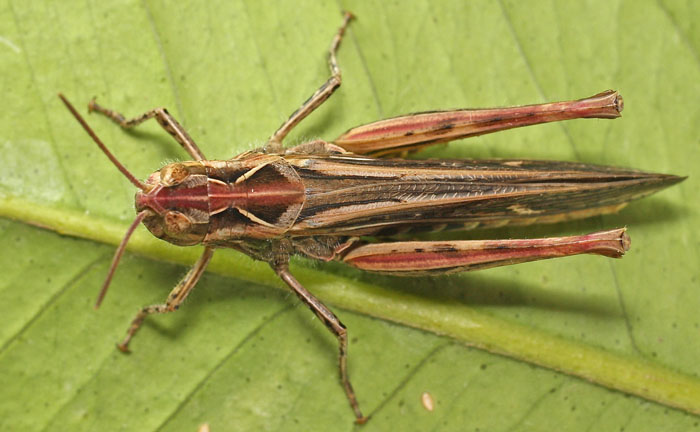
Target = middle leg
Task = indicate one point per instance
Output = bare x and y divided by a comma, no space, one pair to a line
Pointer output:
334,325
274,144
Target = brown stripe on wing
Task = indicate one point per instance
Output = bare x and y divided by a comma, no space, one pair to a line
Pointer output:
363,196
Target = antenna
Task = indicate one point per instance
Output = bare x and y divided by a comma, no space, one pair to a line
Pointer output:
102,147
118,255
139,217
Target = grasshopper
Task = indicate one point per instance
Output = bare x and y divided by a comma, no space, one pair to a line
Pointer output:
341,201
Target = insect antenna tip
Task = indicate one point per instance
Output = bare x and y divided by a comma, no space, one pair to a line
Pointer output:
118,254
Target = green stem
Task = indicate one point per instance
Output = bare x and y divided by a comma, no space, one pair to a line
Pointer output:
615,371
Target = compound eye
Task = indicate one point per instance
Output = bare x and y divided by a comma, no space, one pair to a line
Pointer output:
173,174
176,223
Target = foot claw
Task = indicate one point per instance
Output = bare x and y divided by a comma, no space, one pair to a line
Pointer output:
92,104
361,420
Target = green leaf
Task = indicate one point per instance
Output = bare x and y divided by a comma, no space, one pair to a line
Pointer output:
242,356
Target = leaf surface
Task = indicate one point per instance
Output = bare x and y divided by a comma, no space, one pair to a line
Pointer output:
242,356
